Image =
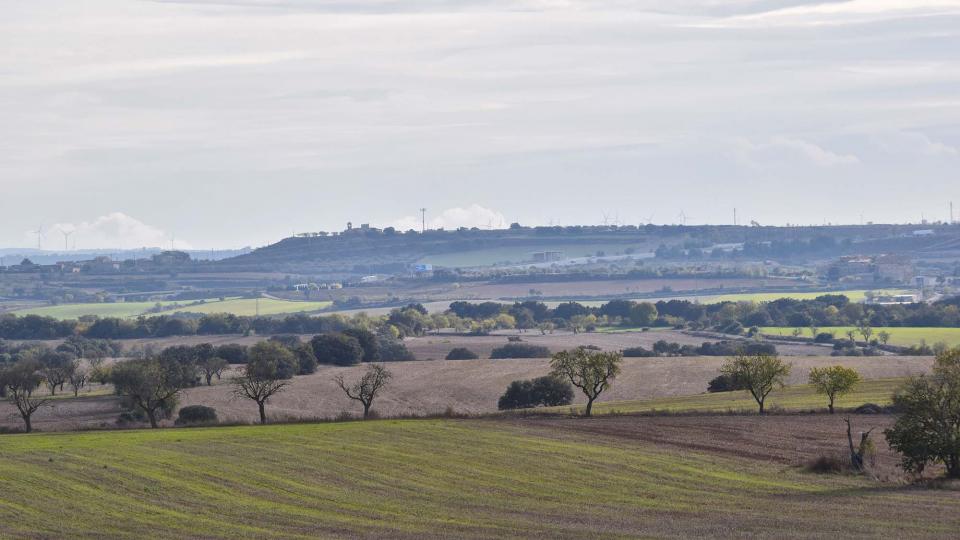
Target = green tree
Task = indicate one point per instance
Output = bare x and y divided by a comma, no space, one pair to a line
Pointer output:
337,349
758,373
266,373
643,314
590,371
366,389
152,384
833,381
884,336
928,430
20,381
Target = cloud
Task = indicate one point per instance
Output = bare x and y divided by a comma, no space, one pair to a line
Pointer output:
914,143
782,149
453,218
114,230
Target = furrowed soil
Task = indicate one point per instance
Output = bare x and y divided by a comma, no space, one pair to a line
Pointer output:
542,478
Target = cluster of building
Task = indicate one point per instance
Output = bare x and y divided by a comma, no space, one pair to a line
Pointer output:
101,265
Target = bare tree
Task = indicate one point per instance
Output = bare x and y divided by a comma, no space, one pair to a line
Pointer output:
591,372
366,389
858,453
20,381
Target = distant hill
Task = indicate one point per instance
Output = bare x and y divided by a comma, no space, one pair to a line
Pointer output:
375,250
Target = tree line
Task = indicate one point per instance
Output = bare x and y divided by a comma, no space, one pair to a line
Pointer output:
484,317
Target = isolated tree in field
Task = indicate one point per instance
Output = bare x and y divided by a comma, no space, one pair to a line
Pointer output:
884,336
264,375
152,384
759,374
814,330
366,389
590,371
928,430
866,331
20,381
833,381
852,336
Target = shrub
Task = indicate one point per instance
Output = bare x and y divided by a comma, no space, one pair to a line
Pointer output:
723,383
828,465
824,337
393,350
462,353
196,415
638,352
543,391
232,353
520,350
514,339
336,349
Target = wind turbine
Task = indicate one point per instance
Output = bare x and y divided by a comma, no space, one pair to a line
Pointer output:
39,233
66,238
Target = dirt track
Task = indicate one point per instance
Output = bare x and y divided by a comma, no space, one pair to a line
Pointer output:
471,386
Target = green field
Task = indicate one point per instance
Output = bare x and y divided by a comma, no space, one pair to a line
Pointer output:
854,296
74,311
426,478
898,335
248,307
792,398
236,306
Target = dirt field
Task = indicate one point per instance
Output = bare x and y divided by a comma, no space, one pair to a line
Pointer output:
436,347
792,440
428,387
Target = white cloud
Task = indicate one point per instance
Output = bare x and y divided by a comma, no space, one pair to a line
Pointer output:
780,149
914,143
452,218
114,230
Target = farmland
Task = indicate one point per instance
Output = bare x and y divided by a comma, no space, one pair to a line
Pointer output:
791,398
473,386
436,478
236,306
902,336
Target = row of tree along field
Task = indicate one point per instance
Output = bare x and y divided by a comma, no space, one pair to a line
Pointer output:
149,383
477,318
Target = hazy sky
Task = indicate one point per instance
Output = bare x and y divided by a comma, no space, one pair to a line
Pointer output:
232,123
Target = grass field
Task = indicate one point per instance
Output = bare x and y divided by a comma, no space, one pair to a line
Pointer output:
898,335
248,307
74,311
792,398
854,296
236,306
428,479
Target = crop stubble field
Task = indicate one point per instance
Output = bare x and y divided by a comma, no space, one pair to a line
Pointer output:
473,386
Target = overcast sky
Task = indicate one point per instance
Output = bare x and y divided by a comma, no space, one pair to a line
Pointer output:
229,123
